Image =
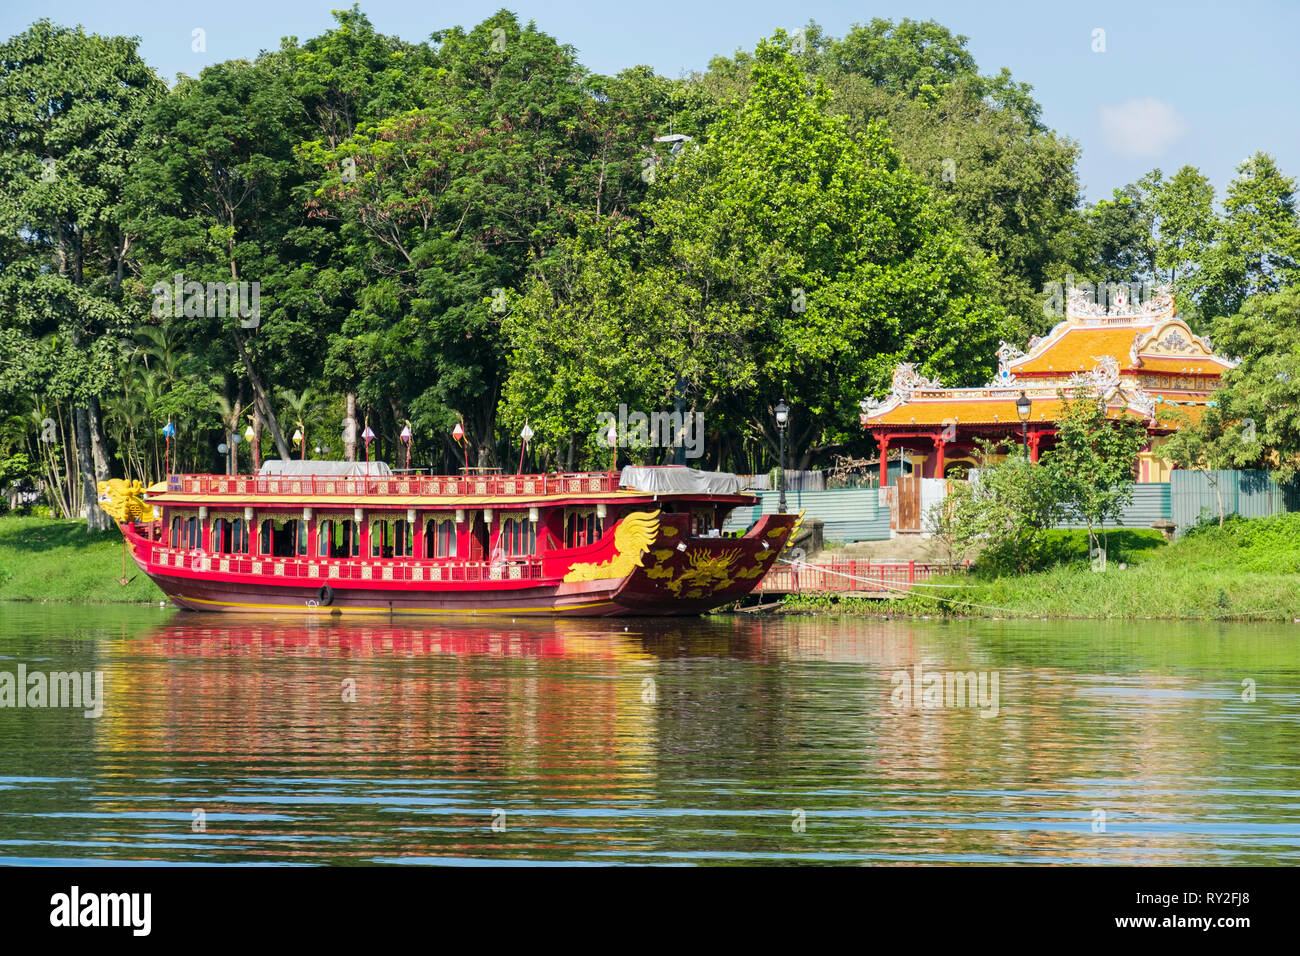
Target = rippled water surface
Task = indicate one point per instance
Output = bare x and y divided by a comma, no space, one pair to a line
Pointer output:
720,740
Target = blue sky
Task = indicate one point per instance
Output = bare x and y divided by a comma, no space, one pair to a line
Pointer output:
1192,82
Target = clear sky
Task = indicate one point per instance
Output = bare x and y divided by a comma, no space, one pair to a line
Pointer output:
1205,83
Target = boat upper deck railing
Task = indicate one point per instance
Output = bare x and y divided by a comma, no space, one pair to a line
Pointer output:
443,486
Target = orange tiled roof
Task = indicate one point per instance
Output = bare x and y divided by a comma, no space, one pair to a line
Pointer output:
936,414
1079,346
1196,365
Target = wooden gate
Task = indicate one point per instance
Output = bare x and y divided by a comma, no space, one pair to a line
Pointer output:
905,515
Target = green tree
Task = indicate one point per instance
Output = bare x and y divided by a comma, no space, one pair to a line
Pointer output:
72,106
1253,420
1001,515
1092,464
1185,209
1258,248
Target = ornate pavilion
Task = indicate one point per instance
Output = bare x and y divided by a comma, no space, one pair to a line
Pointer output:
1141,358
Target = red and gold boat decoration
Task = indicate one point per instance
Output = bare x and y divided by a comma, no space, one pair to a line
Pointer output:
322,538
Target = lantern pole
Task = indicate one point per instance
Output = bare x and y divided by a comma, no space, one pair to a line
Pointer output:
367,436
525,434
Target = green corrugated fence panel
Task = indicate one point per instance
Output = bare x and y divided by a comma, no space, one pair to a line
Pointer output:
1251,494
1150,503
853,514
850,514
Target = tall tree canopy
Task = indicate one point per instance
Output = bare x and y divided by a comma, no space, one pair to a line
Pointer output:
781,255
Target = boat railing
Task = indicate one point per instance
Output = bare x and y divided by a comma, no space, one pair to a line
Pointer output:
327,570
445,486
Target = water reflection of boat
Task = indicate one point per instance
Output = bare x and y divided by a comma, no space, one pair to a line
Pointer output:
216,636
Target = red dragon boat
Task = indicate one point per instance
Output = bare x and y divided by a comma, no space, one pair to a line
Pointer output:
318,537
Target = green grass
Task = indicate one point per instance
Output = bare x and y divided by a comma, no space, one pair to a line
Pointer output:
1247,570
42,559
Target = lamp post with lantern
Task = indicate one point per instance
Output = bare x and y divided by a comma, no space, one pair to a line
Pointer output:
782,413
1023,408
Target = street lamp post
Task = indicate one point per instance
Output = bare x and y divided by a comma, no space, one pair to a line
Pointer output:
782,417
611,439
1023,407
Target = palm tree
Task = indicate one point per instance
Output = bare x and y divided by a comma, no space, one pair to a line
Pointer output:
304,410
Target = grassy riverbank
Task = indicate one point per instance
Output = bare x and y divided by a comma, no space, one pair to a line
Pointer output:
42,559
1247,570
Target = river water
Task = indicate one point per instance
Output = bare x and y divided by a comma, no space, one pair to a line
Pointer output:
724,740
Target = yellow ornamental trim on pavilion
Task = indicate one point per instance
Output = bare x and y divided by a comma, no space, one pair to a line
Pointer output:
632,540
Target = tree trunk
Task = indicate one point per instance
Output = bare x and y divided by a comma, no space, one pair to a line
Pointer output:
350,429
96,518
98,441
263,403
232,453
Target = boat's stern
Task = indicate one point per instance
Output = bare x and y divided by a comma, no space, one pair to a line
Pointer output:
685,574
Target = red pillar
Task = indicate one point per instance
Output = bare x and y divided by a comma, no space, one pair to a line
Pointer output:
883,441
939,442
1033,445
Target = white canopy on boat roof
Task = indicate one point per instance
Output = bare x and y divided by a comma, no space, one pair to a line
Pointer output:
678,479
333,469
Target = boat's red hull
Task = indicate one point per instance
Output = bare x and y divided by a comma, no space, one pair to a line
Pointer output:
678,575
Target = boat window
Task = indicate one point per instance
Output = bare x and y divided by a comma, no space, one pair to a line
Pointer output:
381,539
283,537
701,522
479,545
518,537
187,533
440,538
230,536
582,528
338,539
403,534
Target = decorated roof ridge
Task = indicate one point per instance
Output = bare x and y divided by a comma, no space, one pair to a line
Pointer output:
1173,338
1102,380
1117,305
1084,313
1142,407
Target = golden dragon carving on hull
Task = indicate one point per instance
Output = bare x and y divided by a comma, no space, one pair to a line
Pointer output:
632,539
123,501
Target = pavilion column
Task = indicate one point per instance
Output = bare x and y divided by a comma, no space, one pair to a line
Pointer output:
883,442
1034,438
939,442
